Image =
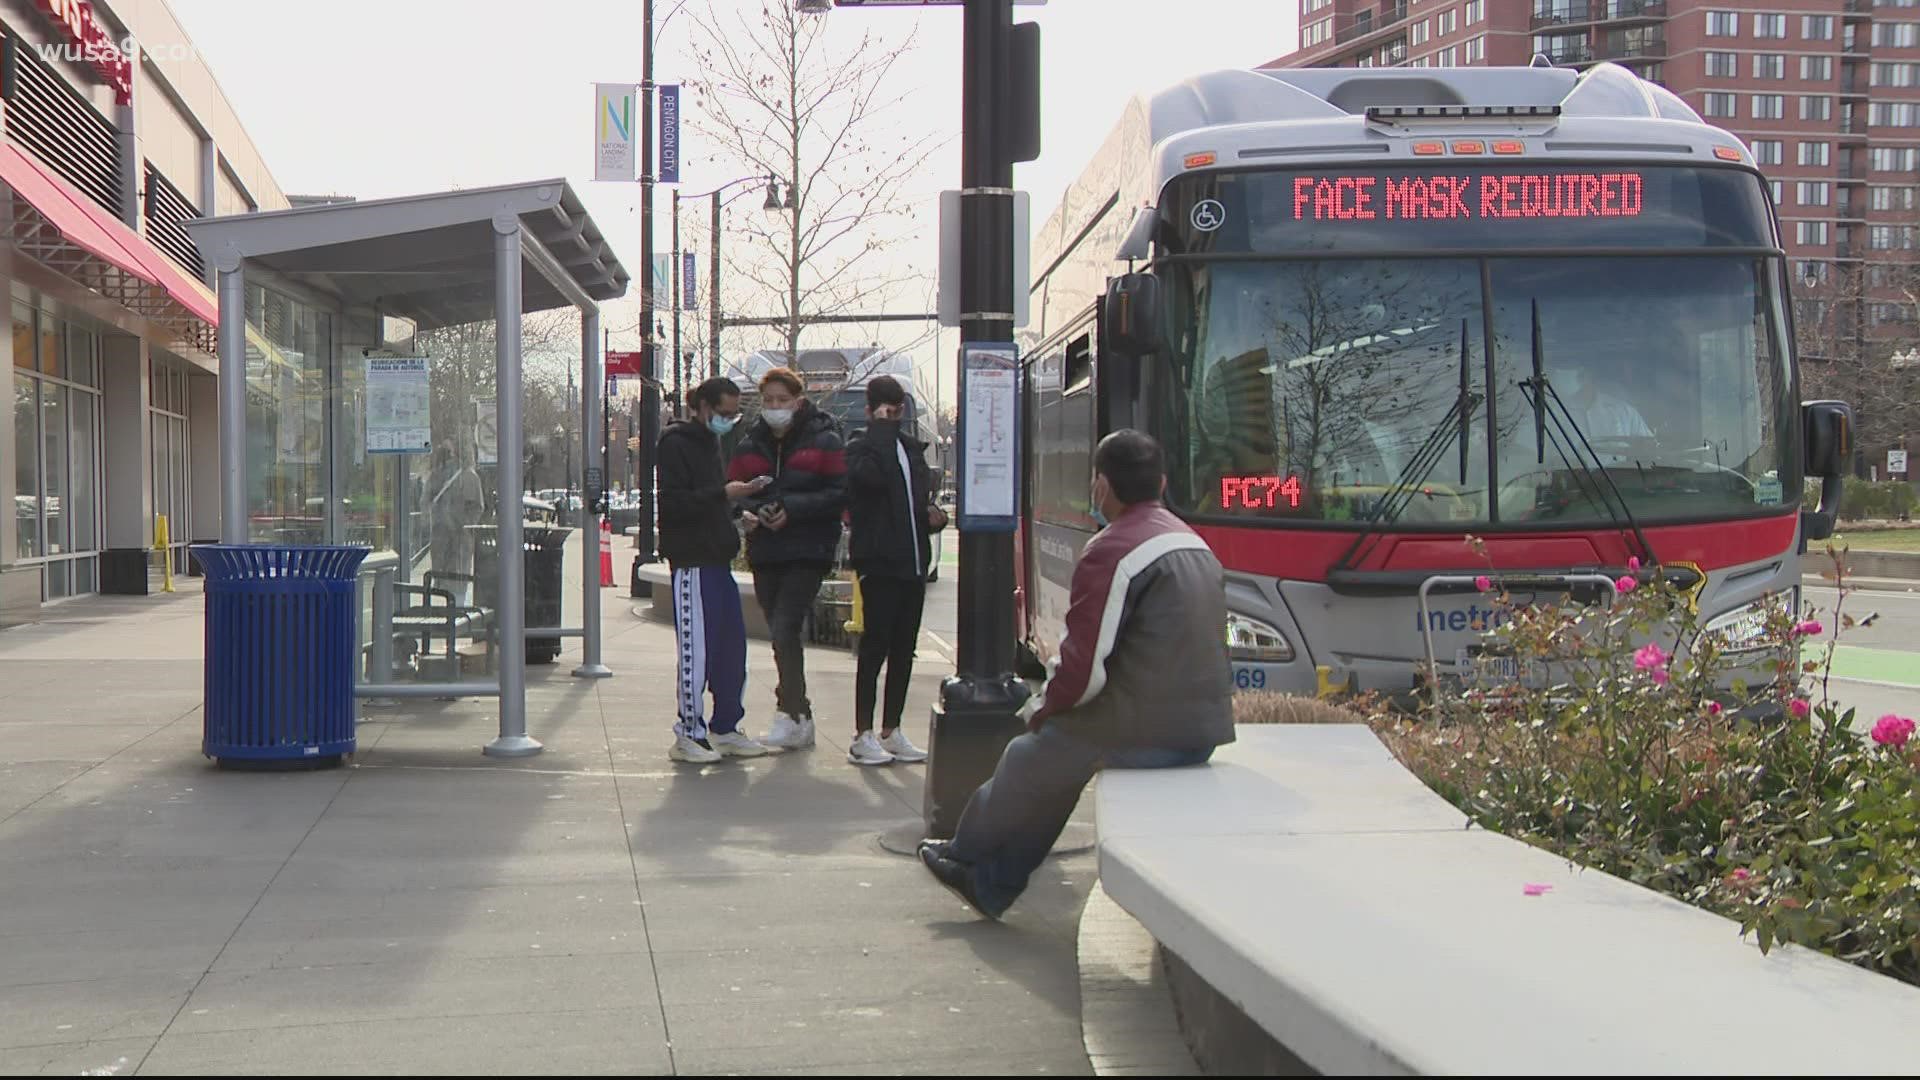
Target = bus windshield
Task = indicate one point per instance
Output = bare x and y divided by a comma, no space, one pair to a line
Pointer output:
1312,388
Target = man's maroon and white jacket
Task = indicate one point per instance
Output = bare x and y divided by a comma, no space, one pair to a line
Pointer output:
1144,659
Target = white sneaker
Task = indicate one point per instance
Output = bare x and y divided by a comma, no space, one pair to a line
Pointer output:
691,751
736,744
866,750
789,733
901,747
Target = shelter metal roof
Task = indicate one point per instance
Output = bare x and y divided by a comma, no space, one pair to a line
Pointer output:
429,258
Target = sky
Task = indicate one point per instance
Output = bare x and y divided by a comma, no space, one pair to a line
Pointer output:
376,98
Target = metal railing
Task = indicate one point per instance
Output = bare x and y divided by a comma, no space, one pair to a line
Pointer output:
1627,50
1569,54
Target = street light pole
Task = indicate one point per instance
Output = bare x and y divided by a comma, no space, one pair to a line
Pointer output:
681,372
649,364
713,294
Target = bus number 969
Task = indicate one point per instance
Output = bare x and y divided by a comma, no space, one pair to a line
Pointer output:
1250,678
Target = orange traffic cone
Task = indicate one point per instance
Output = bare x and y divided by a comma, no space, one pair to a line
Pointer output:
606,554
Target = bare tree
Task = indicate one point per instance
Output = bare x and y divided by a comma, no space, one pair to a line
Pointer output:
1858,335
777,97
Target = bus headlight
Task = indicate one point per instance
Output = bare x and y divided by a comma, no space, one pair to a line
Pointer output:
1744,629
1250,639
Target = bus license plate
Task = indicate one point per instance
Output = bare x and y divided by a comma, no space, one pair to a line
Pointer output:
1493,671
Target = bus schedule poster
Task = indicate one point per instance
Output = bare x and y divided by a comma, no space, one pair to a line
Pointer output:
989,437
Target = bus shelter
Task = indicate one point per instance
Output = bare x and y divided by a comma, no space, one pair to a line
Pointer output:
375,381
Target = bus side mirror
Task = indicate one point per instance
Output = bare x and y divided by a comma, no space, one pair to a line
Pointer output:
1827,432
1135,325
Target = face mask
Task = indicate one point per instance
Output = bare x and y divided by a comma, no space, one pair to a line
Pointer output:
1093,500
778,419
720,425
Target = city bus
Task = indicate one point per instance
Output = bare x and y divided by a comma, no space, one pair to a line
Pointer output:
1371,313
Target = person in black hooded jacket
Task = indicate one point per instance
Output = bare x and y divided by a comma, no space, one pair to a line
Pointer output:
793,532
894,519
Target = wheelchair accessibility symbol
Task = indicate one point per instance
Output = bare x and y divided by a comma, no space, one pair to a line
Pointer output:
1209,215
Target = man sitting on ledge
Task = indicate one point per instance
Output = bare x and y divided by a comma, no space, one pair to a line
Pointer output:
1141,681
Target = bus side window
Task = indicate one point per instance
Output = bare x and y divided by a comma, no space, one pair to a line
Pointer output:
1077,431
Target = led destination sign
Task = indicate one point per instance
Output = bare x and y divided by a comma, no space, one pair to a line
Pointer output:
1460,206
1441,197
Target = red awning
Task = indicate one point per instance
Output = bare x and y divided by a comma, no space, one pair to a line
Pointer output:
57,224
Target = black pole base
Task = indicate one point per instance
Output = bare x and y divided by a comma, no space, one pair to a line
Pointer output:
972,724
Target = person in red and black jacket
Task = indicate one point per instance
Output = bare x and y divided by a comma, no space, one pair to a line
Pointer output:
793,532
1141,681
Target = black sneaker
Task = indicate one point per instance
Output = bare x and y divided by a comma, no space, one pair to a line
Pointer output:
955,875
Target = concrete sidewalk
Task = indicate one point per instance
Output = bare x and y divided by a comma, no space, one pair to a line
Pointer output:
594,909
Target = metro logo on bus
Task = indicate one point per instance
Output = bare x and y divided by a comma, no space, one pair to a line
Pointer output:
1451,198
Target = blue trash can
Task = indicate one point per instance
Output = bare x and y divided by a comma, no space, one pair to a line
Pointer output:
281,639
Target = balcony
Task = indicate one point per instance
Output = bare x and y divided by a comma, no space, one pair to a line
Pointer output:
1629,50
1614,11
1395,53
1857,7
1569,54
1368,21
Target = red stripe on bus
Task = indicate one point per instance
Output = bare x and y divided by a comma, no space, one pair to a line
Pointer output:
1307,555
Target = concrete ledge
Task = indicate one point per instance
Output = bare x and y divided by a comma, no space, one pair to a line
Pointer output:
1332,898
1897,565
659,607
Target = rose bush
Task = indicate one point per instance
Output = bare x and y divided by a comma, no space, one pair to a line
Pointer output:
1710,764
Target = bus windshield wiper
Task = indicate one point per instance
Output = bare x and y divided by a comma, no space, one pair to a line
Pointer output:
1569,440
1456,424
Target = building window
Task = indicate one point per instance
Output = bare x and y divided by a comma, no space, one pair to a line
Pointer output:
1779,191
1769,106
1811,232
1723,24
1894,159
1317,34
56,448
1892,114
1892,74
1903,35
1476,11
1768,151
1814,153
1770,26
1813,272
1723,65
1769,66
1447,22
1816,27
1816,108
1420,32
1893,198
1813,192
1721,106
1477,49
1816,68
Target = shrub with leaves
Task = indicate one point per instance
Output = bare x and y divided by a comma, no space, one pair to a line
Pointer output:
1710,764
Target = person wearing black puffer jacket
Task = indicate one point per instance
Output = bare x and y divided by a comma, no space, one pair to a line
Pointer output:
698,539
793,532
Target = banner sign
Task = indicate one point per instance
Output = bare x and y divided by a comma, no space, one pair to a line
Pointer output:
689,293
670,134
616,112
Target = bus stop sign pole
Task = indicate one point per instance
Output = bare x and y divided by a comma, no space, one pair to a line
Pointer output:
978,711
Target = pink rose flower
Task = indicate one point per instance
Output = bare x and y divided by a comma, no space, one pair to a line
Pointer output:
1626,584
1483,583
1650,657
1659,676
1799,707
1633,563
1713,708
1741,875
1894,731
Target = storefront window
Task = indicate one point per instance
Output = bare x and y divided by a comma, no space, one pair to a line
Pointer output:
26,464
57,507
23,337
86,494
53,348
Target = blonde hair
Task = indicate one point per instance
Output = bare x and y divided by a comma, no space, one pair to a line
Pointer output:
783,377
